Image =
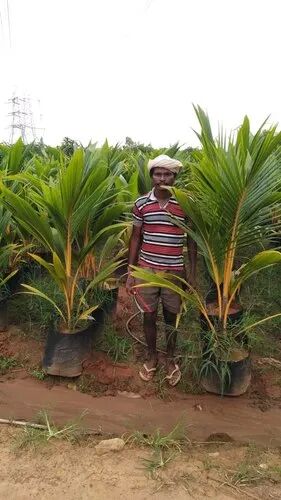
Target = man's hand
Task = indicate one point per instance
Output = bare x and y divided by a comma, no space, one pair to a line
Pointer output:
130,283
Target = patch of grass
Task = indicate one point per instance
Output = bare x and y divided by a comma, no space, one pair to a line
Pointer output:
190,365
190,386
261,345
165,447
276,472
247,475
7,363
158,461
161,383
254,469
118,348
261,298
254,453
31,437
39,374
158,441
86,383
33,311
208,464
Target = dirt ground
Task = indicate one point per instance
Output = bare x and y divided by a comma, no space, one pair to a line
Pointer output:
63,470
248,466
102,376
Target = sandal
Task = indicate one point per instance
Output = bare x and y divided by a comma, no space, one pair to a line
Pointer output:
147,374
174,377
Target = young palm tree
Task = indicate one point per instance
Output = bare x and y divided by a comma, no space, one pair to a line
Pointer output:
68,217
231,194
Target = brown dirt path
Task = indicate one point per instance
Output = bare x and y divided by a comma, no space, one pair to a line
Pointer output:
203,414
68,471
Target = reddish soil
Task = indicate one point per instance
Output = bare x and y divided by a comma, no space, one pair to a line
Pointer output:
124,310
254,415
102,376
213,309
203,416
14,343
265,389
107,372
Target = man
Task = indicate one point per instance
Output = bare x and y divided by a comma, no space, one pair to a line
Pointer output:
157,245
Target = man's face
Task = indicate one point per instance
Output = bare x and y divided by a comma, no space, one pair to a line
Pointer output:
162,177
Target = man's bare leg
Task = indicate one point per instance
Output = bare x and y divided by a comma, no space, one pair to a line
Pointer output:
149,327
173,372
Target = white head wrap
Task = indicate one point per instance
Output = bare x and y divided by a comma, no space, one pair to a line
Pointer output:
164,161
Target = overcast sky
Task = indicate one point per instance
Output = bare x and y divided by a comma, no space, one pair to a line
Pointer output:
117,68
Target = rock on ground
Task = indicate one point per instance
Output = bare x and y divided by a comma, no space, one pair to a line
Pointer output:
107,445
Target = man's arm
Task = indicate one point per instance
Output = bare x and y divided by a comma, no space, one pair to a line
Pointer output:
134,248
192,258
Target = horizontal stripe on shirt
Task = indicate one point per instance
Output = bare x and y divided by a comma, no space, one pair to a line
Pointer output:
162,235
160,249
163,256
159,243
159,265
163,238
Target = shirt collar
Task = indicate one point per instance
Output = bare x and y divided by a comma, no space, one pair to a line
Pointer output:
152,197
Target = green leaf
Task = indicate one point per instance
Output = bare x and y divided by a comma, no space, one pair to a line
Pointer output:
59,268
38,293
28,217
2,282
85,314
260,261
15,156
50,268
109,215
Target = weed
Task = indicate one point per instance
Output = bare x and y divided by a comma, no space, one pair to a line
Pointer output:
208,464
253,453
276,473
157,441
31,437
39,374
165,447
251,472
159,460
117,347
7,363
190,364
261,297
85,384
246,475
32,310
161,383
261,345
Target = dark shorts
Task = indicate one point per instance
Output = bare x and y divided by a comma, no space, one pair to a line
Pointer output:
148,298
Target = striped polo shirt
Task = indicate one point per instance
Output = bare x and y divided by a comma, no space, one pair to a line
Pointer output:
162,239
